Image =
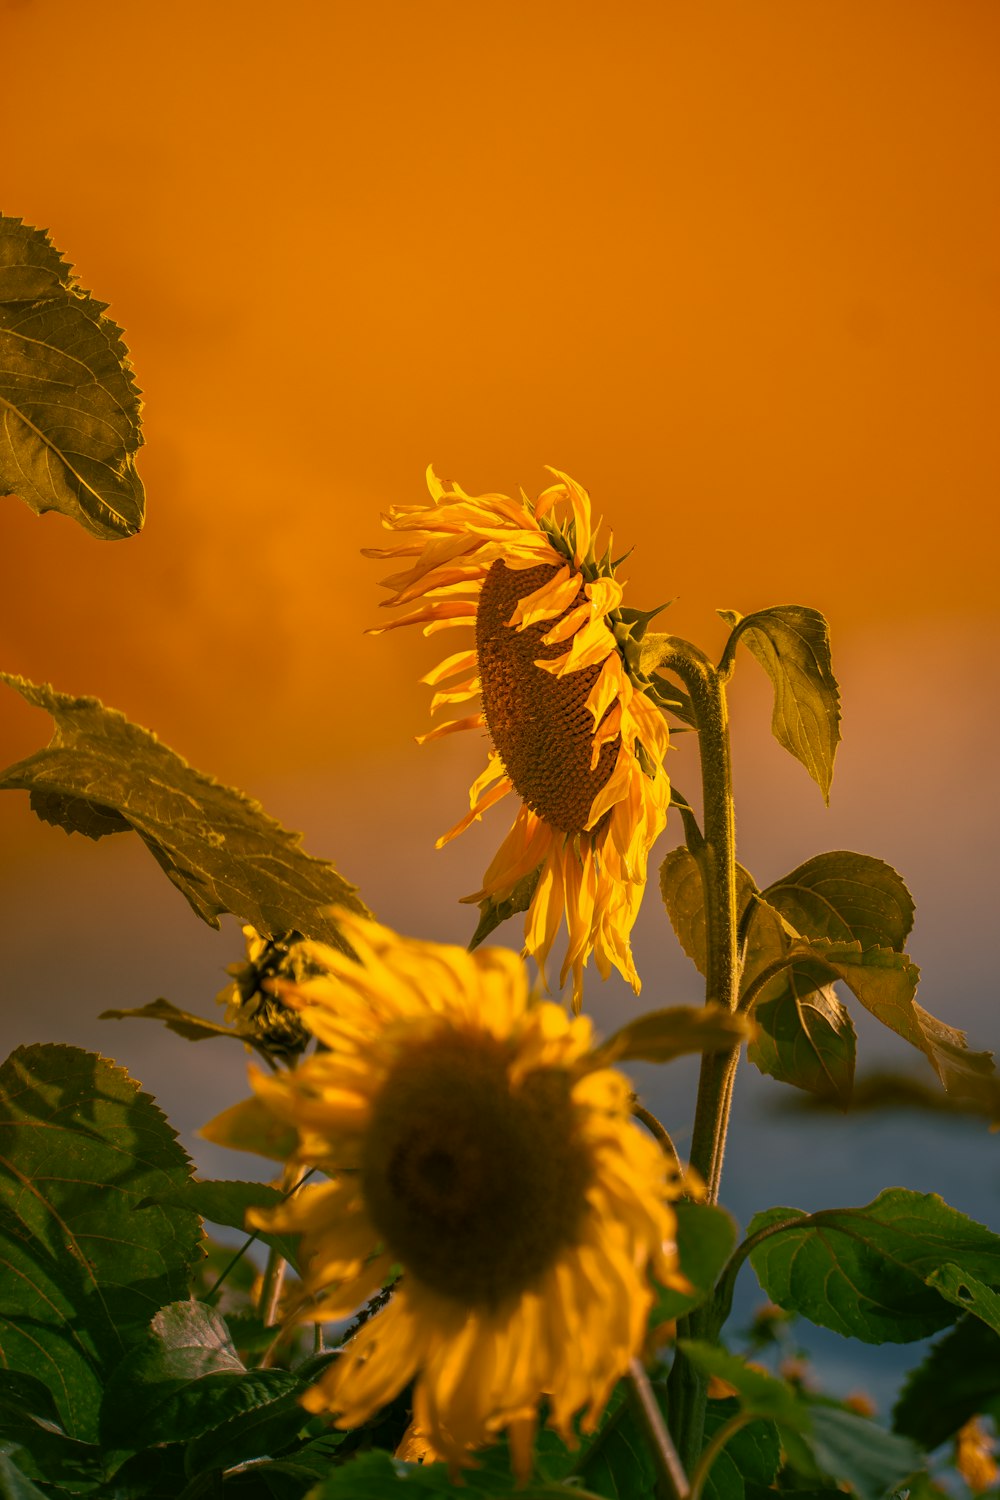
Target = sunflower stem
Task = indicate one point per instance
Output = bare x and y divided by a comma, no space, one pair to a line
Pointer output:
715,855
672,1480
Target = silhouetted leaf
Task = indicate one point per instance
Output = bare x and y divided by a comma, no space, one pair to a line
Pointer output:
84,1269
848,897
792,644
69,407
218,847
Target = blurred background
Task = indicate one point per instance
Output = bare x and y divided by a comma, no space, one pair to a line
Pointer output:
732,267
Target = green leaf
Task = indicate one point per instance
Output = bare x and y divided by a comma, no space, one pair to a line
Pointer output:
222,1202
495,910
14,1485
752,1455
192,1028
684,898
855,1449
864,1271
792,644
69,407
805,1037
660,1035
621,1466
848,897
184,1380
818,1436
706,1235
965,1292
218,847
262,1431
83,1269
760,1394
958,1379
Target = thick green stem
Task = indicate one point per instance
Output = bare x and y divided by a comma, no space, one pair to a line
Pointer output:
716,858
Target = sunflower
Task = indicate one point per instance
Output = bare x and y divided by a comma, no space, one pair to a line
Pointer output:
573,733
476,1147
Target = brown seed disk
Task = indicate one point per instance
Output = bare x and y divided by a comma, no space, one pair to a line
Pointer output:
539,723
475,1186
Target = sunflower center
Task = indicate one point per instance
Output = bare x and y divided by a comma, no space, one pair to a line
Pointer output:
540,724
476,1187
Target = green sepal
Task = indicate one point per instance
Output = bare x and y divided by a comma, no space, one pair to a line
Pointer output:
494,910
250,1126
69,406
83,1264
219,848
792,644
867,1273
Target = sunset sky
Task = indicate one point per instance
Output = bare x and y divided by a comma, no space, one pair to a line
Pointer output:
732,266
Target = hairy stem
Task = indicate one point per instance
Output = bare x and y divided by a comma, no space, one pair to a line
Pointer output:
716,859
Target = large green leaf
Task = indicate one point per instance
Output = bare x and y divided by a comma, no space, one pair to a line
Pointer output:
867,1273
184,1379
792,644
218,847
69,407
83,1267
847,897
958,1379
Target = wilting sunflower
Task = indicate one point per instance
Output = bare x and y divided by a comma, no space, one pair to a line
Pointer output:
574,735
474,1143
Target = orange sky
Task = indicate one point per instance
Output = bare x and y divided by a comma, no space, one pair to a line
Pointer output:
732,266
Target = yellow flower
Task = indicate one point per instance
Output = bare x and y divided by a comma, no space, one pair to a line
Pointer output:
474,1143
573,733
